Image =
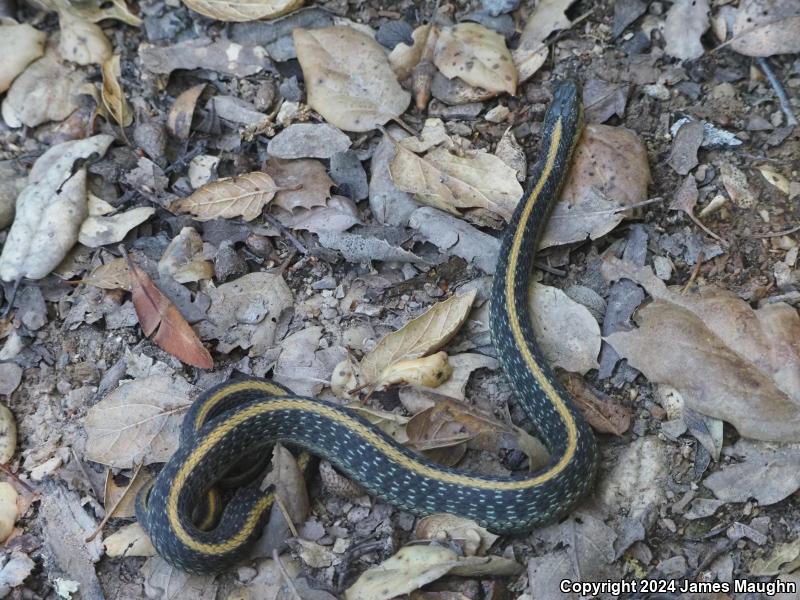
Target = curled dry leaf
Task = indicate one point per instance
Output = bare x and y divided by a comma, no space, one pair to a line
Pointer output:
179,119
19,46
766,27
95,11
348,78
686,22
448,182
50,210
9,512
100,231
160,318
445,528
112,95
403,58
428,371
130,540
727,360
241,196
476,55
183,258
138,422
238,11
531,52
82,41
8,434
419,337
390,423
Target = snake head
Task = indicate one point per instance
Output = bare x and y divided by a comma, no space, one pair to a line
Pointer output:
567,107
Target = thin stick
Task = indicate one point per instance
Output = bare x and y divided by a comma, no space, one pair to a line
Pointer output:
285,574
639,204
695,273
7,470
285,513
110,512
786,106
289,235
777,233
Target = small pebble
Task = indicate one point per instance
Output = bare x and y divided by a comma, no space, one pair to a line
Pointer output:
499,7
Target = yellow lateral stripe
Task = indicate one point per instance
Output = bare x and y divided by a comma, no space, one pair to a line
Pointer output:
519,338
210,402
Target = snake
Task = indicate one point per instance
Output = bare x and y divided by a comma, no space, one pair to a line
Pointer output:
233,425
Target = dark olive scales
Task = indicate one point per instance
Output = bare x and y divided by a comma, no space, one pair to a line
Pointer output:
237,422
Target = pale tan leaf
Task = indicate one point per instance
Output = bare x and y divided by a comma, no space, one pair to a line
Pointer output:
100,231
390,423
727,360
8,424
130,540
241,196
419,337
686,22
121,499
112,94
476,55
767,27
428,371
531,52
137,422
775,179
239,10
19,45
567,332
404,58
446,529
183,258
95,11
348,78
449,182
9,511
82,41
113,275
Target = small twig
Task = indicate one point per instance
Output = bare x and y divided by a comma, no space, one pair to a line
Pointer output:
786,106
285,513
289,235
639,205
695,272
549,269
110,512
7,470
285,575
777,233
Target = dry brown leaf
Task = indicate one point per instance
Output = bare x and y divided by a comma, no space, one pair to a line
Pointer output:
241,196
303,183
476,55
419,337
686,22
130,540
547,17
448,182
122,498
237,10
179,120
112,94
446,529
603,414
727,360
113,275
138,422
161,319
95,11
767,27
348,78
612,160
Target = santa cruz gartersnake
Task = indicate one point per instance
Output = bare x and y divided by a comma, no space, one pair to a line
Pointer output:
244,418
